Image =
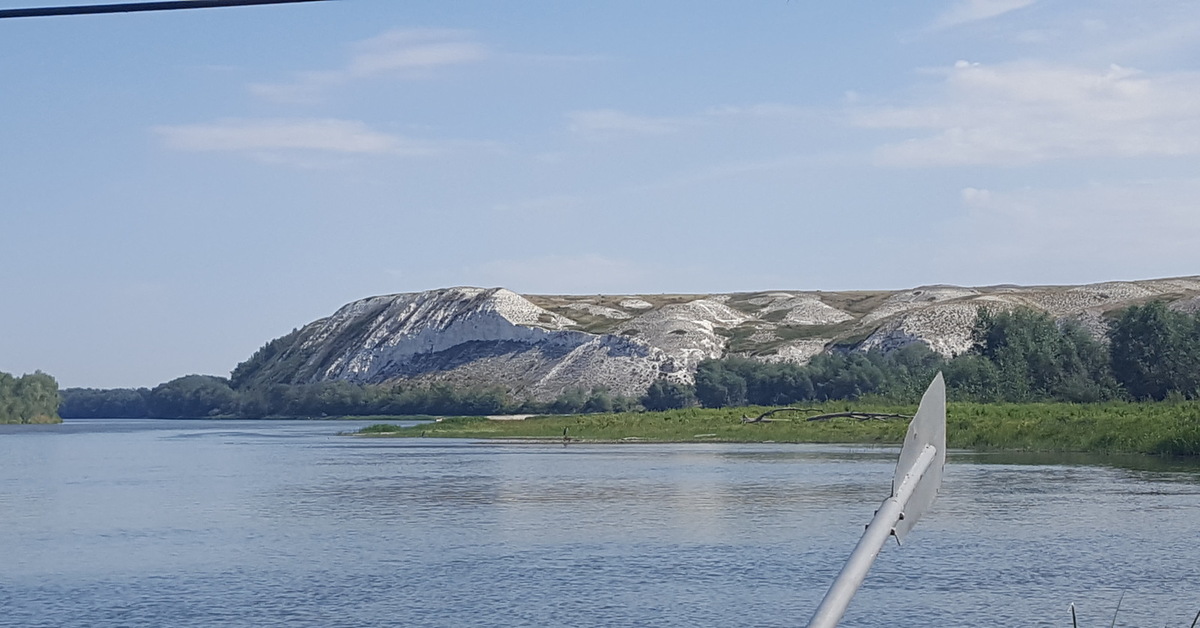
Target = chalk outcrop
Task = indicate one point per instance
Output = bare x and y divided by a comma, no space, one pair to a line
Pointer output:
539,346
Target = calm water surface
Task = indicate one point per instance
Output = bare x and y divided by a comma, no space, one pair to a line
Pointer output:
160,523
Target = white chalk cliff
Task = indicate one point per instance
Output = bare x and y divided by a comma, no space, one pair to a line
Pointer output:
539,346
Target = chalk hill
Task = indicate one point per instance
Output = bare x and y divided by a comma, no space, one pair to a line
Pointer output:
538,346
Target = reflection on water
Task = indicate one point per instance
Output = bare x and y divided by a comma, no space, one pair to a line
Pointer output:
153,523
1123,461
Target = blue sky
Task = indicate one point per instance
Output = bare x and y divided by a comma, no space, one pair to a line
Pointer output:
178,188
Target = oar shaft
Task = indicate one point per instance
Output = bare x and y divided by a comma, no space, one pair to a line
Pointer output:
833,607
837,600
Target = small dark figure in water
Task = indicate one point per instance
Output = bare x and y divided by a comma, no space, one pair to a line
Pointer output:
566,438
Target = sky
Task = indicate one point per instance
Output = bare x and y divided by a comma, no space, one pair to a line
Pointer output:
178,188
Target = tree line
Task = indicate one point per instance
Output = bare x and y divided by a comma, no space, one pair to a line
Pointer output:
207,396
30,398
1150,353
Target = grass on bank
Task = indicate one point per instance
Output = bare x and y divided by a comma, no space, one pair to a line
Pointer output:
1144,428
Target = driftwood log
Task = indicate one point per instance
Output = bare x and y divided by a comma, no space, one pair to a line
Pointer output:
762,418
859,416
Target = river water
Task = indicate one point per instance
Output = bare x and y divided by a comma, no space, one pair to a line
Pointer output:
198,523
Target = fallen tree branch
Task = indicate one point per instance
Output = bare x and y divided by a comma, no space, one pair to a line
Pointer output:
762,418
860,416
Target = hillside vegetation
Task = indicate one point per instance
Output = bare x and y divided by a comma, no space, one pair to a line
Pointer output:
1151,353
1033,383
1114,427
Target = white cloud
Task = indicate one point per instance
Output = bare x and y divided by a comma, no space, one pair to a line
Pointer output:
605,123
760,110
273,136
1165,36
600,124
395,54
1138,229
1024,113
975,197
976,10
408,50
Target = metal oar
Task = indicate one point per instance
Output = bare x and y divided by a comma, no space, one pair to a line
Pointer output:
131,7
914,487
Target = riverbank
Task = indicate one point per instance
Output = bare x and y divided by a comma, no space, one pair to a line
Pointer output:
37,420
1171,429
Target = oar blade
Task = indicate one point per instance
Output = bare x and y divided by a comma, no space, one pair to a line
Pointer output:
928,427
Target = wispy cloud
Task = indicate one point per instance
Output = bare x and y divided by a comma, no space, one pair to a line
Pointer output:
341,136
1115,230
406,54
607,123
1177,33
1024,113
328,135
976,10
413,50
602,124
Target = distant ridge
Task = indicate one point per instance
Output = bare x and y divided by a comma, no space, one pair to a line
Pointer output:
539,345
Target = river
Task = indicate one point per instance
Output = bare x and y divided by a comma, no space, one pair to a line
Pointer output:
240,523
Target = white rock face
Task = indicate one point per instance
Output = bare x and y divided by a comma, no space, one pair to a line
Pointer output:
600,310
428,322
942,317
1177,284
1093,322
1188,306
1059,303
476,331
917,298
797,351
801,309
533,347
687,332
945,327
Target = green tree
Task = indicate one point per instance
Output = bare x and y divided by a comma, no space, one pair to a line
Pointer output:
972,377
31,398
718,384
94,403
569,401
1156,351
1037,358
667,395
8,398
192,397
